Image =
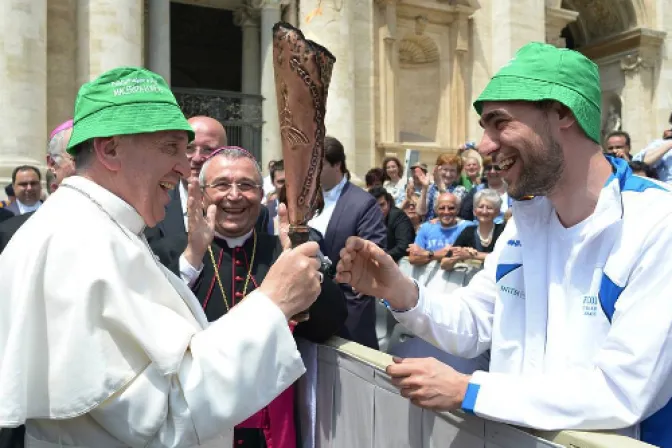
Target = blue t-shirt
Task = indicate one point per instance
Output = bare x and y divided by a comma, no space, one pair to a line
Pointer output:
435,237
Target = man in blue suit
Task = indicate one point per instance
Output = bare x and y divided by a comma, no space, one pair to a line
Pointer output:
349,211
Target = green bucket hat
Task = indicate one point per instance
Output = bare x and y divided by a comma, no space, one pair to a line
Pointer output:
123,101
543,72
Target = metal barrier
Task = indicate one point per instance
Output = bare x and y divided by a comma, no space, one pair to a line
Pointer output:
240,114
347,401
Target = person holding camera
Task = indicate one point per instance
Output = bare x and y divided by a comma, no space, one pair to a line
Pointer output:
658,155
617,144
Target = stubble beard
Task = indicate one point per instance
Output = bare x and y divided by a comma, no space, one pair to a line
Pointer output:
542,171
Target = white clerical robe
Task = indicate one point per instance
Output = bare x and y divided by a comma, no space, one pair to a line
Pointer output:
101,346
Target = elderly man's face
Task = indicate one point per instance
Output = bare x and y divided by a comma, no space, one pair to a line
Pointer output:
62,166
27,187
149,166
235,187
446,209
210,135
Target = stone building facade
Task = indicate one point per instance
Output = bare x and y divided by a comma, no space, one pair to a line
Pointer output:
406,72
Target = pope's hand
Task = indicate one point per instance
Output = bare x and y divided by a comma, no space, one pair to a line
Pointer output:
429,383
369,270
294,282
201,228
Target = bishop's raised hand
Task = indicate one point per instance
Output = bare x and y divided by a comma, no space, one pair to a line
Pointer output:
201,225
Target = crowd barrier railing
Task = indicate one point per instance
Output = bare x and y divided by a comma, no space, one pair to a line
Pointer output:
347,401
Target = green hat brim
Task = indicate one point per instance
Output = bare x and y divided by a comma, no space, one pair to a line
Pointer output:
516,88
127,119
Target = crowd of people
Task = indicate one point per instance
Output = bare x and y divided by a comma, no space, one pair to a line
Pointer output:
153,297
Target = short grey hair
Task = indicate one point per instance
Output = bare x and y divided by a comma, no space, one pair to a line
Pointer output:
231,153
490,195
84,156
57,146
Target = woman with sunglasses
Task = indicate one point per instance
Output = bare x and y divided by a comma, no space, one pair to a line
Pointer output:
493,180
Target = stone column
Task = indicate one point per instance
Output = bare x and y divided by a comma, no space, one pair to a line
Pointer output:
109,35
389,116
332,29
61,61
158,45
23,71
271,145
248,19
458,87
557,19
290,13
514,24
637,95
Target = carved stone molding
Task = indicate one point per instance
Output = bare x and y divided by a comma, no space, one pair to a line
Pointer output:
633,62
416,50
420,25
246,15
638,40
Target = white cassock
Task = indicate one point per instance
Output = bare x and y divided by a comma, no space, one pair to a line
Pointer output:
101,346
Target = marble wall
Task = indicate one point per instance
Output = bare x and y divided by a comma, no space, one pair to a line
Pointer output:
23,85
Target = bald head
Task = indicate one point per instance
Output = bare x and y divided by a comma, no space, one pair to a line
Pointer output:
210,135
447,206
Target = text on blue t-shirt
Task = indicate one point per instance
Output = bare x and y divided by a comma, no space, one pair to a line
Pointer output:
433,236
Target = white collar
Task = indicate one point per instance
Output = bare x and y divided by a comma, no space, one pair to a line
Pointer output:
235,241
118,209
335,192
23,208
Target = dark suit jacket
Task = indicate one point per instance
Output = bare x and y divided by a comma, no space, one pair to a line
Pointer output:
356,214
168,239
14,208
400,233
5,214
9,227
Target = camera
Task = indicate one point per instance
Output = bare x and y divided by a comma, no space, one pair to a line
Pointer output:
326,266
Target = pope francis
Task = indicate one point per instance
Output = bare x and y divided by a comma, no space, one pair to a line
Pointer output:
100,346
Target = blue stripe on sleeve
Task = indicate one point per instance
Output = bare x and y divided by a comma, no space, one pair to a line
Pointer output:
469,401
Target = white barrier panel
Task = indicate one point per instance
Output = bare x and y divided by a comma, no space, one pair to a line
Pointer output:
436,279
354,405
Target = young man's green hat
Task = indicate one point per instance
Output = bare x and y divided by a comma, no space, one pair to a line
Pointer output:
543,72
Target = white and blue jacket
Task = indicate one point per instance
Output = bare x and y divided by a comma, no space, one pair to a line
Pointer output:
601,359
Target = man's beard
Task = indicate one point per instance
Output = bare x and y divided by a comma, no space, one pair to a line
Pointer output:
541,171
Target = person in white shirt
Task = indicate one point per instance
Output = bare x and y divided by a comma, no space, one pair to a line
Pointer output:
26,181
574,301
102,346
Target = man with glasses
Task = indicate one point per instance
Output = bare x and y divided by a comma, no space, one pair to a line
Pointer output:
28,189
226,258
169,238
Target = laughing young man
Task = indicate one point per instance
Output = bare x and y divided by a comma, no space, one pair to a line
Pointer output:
574,302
